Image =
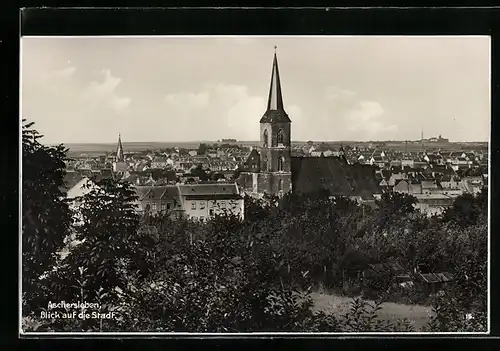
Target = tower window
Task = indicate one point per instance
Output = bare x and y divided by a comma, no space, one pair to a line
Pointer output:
280,185
281,161
280,137
266,138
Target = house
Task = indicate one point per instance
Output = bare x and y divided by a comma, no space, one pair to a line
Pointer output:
252,164
193,153
434,159
408,186
430,187
395,177
161,162
420,165
434,282
212,153
433,204
473,185
203,201
81,188
395,163
155,199
379,161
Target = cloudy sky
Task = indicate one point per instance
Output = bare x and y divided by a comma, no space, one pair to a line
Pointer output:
191,88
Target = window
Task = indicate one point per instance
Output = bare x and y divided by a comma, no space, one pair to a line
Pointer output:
202,218
202,205
264,164
223,204
233,204
280,136
211,212
280,184
163,206
265,138
281,161
193,205
168,205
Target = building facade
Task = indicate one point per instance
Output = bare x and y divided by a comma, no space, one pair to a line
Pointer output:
204,201
194,201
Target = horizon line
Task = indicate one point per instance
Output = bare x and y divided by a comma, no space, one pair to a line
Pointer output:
257,141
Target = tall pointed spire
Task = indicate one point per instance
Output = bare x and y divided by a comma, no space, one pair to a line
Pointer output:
275,100
119,150
275,108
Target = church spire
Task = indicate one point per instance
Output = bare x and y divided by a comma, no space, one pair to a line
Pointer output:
275,109
119,150
275,100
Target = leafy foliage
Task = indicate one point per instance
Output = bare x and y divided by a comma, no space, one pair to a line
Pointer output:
46,217
161,273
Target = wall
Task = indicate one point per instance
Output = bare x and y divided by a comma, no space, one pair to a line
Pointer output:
269,182
168,205
207,208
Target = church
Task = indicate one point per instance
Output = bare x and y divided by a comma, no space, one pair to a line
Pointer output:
275,171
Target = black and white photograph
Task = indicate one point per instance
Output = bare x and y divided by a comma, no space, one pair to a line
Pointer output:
254,184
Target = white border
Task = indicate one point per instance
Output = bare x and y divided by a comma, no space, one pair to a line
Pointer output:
489,200
256,334
254,36
20,186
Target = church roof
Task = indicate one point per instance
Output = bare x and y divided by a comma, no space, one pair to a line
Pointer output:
311,174
275,112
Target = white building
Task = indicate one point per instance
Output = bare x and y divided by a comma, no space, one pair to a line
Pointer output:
196,201
202,201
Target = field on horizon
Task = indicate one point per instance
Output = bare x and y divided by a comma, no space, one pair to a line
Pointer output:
103,148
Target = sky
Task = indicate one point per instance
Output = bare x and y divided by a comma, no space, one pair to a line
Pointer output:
168,89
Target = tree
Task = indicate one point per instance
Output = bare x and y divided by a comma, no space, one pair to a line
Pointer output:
46,217
466,209
393,206
397,203
111,248
198,171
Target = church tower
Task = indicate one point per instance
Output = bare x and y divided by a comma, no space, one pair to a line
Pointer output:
275,140
119,150
119,165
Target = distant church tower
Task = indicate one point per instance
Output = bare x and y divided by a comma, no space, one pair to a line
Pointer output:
119,165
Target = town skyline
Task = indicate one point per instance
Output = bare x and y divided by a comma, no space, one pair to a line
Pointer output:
86,90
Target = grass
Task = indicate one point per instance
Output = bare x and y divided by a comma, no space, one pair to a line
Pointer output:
338,305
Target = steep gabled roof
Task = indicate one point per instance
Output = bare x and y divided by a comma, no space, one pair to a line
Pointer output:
165,192
312,174
212,190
